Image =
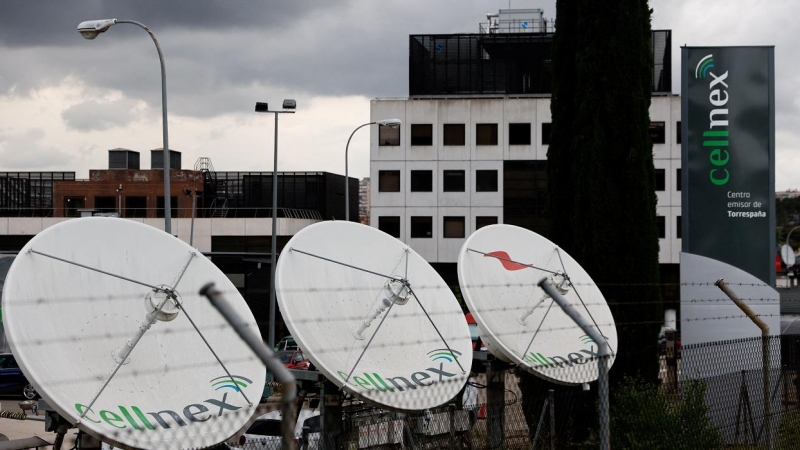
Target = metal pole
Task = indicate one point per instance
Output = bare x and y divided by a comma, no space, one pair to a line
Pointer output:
265,354
194,206
602,354
273,250
167,201
764,354
346,176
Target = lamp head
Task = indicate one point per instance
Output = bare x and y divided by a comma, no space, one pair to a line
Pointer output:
262,107
91,28
289,103
391,123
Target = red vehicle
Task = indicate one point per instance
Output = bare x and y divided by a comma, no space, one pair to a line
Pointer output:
294,359
477,344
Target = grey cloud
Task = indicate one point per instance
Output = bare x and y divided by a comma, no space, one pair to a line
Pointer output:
216,53
25,151
96,116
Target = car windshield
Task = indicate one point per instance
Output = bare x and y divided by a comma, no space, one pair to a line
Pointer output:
285,357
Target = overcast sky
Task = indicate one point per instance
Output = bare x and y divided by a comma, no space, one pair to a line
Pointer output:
64,100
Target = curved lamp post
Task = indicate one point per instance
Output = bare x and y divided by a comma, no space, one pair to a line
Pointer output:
90,30
289,105
392,123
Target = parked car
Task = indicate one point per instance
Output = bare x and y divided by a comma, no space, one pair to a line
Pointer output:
294,359
12,380
287,343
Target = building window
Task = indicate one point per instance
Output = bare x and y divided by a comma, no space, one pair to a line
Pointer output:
486,134
390,225
546,129
105,204
421,181
678,180
421,134
662,226
72,205
453,134
679,227
422,227
678,131
486,180
136,207
482,221
519,134
453,227
389,136
661,180
173,207
388,180
453,181
657,132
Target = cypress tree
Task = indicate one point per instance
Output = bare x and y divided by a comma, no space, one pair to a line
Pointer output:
601,184
612,209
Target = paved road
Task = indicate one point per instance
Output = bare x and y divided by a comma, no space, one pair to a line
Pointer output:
18,429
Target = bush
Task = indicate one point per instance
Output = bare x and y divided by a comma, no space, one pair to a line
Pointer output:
645,417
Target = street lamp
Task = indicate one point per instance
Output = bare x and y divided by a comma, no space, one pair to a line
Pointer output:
391,123
90,30
289,106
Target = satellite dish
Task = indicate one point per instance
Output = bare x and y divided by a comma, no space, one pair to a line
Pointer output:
499,267
77,303
787,255
373,316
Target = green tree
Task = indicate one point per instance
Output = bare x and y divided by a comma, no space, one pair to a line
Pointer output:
601,178
610,204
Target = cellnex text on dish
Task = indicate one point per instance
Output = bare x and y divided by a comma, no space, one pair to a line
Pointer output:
375,382
133,417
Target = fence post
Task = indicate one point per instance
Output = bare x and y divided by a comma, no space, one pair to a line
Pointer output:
551,397
602,357
266,355
764,355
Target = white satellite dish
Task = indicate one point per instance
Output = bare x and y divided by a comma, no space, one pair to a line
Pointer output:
499,267
787,255
75,302
373,316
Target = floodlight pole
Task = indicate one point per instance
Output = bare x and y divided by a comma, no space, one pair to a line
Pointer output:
603,354
764,354
288,106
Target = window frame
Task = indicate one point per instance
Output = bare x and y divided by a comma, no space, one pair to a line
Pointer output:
481,139
458,142
515,135
457,220
421,134
381,183
452,173
421,221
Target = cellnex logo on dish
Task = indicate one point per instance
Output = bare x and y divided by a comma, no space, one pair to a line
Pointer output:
373,381
716,137
581,356
132,417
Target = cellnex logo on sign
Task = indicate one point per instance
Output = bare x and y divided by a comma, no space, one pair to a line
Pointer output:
373,381
715,138
132,417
